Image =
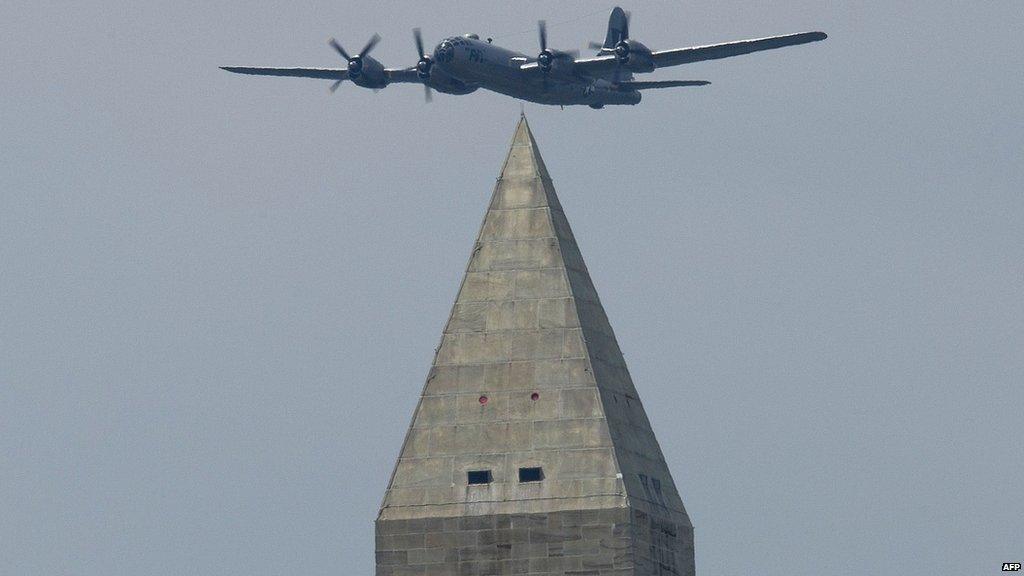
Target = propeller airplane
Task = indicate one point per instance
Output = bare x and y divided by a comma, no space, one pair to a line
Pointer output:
463,64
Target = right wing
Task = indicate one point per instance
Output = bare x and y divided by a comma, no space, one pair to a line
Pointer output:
401,75
715,51
325,73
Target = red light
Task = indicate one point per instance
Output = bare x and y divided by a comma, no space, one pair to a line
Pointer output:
483,399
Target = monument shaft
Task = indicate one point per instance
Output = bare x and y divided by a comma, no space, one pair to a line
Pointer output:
530,451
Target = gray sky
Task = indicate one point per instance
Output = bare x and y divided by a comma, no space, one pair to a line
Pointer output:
219,295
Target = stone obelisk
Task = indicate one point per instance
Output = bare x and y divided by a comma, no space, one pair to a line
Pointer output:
530,451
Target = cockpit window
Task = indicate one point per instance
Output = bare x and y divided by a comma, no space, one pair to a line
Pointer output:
446,51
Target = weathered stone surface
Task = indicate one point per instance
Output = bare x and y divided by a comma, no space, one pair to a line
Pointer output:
605,542
529,375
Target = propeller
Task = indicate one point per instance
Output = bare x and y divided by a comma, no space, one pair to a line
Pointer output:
423,66
622,52
546,58
355,63
621,49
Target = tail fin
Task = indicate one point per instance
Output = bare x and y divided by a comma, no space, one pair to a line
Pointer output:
618,28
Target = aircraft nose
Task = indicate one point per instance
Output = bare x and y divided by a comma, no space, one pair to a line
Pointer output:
444,52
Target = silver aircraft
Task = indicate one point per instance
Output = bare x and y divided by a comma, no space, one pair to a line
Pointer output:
462,64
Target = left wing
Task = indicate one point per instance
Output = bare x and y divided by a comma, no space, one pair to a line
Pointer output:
698,53
607,64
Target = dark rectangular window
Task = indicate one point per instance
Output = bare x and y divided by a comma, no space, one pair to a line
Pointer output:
657,491
531,474
647,487
479,476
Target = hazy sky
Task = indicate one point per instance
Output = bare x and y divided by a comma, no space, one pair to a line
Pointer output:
220,295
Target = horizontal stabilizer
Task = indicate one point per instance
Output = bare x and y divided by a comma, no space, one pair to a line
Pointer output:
660,84
325,73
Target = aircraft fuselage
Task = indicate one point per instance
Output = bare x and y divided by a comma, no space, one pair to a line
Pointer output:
478,64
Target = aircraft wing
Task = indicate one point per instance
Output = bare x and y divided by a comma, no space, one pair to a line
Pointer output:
400,75
403,75
678,56
606,63
325,73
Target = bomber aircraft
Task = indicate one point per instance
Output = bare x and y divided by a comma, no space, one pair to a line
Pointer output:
462,64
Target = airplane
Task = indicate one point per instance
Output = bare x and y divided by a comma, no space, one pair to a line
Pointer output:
462,64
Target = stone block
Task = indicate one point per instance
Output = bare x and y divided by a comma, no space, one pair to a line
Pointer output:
442,380
579,403
573,344
470,410
556,313
515,255
581,433
537,344
434,410
415,472
533,284
525,314
487,286
516,190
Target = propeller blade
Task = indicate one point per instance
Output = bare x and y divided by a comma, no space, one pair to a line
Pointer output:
334,44
419,42
428,94
369,45
337,83
625,28
542,29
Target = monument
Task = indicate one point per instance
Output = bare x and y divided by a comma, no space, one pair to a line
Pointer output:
529,451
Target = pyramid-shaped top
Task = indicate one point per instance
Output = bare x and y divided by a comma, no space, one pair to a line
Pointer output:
528,376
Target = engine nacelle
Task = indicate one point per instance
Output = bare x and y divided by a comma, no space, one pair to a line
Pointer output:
634,56
555,60
366,72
